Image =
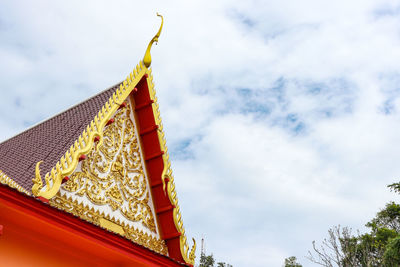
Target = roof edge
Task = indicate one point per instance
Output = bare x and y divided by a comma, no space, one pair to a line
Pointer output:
168,181
4,179
67,163
59,113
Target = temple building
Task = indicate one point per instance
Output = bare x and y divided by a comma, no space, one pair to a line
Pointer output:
93,185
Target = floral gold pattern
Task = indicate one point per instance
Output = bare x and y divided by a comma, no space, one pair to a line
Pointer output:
113,173
67,164
93,216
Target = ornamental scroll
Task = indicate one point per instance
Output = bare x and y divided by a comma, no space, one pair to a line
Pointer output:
113,175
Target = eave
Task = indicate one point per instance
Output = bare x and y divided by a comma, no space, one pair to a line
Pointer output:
53,234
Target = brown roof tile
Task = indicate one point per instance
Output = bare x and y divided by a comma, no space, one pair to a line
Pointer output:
48,141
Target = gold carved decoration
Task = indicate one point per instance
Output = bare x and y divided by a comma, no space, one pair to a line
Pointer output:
85,142
93,216
4,179
147,55
167,175
113,174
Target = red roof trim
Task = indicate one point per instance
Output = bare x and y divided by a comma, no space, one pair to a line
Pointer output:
144,114
71,223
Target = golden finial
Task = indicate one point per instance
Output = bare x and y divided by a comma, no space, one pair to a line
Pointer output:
147,56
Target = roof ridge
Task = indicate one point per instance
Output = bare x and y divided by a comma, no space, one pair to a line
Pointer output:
61,112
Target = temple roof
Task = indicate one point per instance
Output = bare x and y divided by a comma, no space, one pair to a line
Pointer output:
61,142
105,160
48,141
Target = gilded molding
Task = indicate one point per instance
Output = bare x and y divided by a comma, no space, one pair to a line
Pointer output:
4,179
89,214
85,142
170,185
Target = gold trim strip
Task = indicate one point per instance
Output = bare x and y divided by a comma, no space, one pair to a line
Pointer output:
109,223
4,179
111,226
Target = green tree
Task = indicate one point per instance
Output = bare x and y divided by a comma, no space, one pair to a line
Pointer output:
206,261
379,247
389,218
395,187
292,262
391,257
223,264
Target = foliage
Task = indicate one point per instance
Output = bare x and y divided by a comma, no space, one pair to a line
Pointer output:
395,187
339,249
208,261
379,247
292,262
392,253
389,218
223,264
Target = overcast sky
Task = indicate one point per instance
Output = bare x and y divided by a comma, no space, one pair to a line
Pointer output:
281,117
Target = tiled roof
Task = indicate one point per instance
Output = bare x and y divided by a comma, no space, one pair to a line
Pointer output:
48,141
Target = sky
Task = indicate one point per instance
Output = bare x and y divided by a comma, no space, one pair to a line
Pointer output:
282,118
